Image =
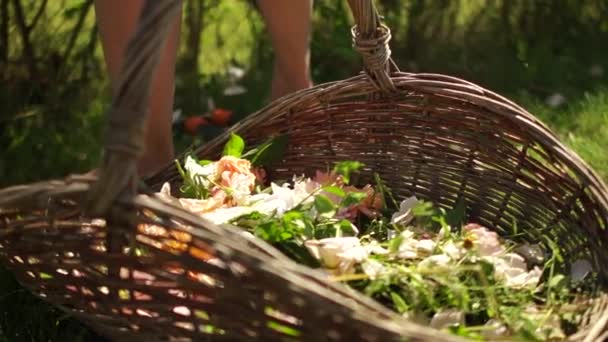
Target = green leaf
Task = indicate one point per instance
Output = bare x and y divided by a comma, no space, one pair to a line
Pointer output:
345,169
204,162
324,206
234,147
456,217
251,220
353,198
71,11
399,303
395,243
345,226
272,152
334,190
272,231
268,152
297,223
190,187
557,281
423,209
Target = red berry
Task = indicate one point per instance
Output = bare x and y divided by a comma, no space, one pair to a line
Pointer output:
193,123
220,116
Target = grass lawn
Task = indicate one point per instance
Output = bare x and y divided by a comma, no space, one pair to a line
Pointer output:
582,125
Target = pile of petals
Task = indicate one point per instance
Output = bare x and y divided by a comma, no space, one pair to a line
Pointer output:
461,278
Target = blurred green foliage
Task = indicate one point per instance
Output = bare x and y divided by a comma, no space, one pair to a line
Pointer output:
53,89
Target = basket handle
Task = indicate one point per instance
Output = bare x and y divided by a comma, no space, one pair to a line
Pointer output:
370,39
123,137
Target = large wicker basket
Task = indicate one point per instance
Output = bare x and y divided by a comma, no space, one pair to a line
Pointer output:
77,242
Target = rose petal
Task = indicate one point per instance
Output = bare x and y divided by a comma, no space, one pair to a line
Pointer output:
330,251
223,215
447,318
425,247
373,268
580,269
435,263
405,214
494,330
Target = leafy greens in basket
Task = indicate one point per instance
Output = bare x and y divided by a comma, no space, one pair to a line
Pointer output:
425,263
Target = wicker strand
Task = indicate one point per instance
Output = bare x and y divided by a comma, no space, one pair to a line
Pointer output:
370,39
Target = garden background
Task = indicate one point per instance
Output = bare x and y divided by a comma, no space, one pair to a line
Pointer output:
551,56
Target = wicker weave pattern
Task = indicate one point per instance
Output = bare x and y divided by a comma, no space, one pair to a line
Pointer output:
153,271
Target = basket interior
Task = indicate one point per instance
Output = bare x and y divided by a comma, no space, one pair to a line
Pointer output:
509,169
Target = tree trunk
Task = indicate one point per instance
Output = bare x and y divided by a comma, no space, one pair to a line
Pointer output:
194,29
4,42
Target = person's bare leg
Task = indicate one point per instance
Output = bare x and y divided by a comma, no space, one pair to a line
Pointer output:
116,21
288,23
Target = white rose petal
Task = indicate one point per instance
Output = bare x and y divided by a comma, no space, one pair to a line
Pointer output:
240,188
528,279
408,254
447,318
532,253
165,194
409,246
405,215
270,206
515,260
435,263
329,251
375,249
407,235
223,215
373,268
356,253
511,268
494,330
197,171
165,189
453,251
407,250
286,194
487,242
425,246
580,269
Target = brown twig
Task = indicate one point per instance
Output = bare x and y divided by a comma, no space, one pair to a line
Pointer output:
84,11
38,15
24,31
